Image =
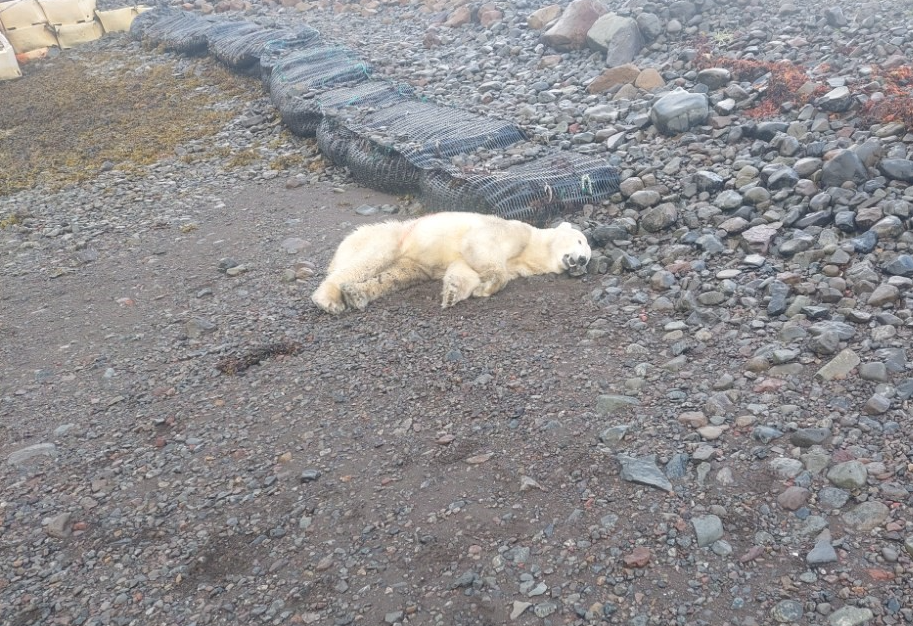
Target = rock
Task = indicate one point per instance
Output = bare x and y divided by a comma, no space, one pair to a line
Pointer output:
707,528
650,25
310,475
808,437
908,545
541,18
839,366
643,470
614,76
787,611
460,17
617,36
570,31
838,100
23,455
834,17
844,166
518,608
883,294
794,498
822,553
59,526
866,516
639,557
393,617
649,80
878,404
832,497
848,475
897,169
714,77
679,111
902,265
850,616
608,404
659,218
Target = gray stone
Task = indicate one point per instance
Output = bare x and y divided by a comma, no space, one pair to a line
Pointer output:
874,371
23,455
808,437
832,497
617,36
850,616
822,553
613,434
866,516
707,528
650,25
679,111
643,470
878,404
845,166
728,200
883,294
848,475
659,217
908,545
714,77
837,100
834,17
608,404
58,526
787,611
897,169
839,366
645,198
902,265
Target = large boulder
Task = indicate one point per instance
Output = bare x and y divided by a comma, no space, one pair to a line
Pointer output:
617,36
845,166
569,32
679,111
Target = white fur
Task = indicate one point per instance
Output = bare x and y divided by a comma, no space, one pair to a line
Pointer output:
474,254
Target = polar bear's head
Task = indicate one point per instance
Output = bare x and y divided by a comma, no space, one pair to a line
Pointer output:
570,249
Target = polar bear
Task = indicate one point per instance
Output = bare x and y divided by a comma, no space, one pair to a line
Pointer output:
474,254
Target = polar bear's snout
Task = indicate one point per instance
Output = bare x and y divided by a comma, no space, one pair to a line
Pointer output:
571,261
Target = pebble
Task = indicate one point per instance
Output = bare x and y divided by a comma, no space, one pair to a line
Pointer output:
643,470
28,453
707,529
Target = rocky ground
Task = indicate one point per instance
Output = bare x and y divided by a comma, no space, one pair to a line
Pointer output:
711,427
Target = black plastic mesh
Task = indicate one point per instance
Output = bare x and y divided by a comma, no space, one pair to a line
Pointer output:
310,70
532,192
185,33
333,140
241,50
381,168
276,50
147,20
303,114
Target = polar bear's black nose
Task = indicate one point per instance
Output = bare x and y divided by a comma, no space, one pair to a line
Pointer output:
582,260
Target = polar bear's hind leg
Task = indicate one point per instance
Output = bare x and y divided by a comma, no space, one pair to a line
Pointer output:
460,281
400,274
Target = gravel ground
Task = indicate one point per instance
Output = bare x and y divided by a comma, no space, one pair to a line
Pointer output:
711,427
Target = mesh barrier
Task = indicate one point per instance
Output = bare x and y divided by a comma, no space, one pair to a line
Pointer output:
304,74
183,32
532,192
275,51
303,114
387,138
241,50
333,140
426,133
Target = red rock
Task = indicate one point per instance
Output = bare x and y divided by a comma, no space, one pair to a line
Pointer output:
541,18
458,18
620,75
639,557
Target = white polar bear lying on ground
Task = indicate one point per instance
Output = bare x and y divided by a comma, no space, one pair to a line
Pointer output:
474,254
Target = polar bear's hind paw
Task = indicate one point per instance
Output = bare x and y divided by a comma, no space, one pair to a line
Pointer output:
354,296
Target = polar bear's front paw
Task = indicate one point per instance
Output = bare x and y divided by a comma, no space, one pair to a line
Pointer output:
327,304
354,297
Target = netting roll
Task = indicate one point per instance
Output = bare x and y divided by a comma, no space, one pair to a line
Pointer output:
333,140
316,69
148,19
241,50
382,168
185,33
427,134
533,192
303,114
277,50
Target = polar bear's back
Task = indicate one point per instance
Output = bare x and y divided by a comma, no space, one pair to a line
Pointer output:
441,236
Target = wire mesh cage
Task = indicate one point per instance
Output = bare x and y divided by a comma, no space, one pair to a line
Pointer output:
180,32
533,192
142,23
278,49
303,114
333,140
427,134
241,50
313,70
